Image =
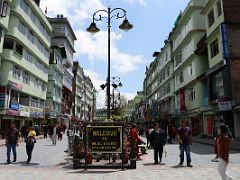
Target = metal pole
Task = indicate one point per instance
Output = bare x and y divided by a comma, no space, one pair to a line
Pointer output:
108,78
113,101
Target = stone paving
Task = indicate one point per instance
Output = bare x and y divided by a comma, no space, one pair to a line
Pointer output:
51,162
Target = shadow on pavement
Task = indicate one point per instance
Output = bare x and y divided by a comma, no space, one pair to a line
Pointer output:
148,164
94,171
23,163
177,166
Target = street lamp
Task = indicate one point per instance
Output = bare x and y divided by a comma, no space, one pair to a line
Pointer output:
125,26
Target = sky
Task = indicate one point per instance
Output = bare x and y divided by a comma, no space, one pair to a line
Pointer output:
131,51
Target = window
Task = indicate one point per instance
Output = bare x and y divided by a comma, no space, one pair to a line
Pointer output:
28,57
26,78
24,6
219,8
214,48
36,82
211,18
33,17
190,69
19,49
16,72
178,59
30,37
34,102
22,28
181,78
218,85
168,88
8,44
191,94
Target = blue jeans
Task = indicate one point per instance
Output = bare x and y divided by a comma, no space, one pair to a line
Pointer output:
186,148
13,147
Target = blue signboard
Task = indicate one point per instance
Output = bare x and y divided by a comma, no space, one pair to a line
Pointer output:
225,42
14,106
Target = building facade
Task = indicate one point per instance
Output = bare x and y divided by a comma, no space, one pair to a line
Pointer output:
24,64
55,85
63,36
223,50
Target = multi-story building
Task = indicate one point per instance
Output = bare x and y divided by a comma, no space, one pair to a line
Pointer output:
55,84
188,65
88,99
84,94
24,64
63,36
222,20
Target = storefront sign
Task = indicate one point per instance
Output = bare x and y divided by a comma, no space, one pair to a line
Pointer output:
225,106
12,112
2,97
35,114
225,42
14,106
24,114
104,139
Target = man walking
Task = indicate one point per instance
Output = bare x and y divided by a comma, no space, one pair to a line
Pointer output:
158,137
185,140
11,143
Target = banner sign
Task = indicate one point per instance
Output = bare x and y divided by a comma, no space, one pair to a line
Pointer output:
225,42
182,100
2,97
104,139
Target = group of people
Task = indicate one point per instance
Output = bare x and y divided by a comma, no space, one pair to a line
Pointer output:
157,138
29,135
12,139
54,132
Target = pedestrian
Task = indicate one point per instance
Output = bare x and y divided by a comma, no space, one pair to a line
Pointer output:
54,135
135,141
45,131
12,142
170,134
185,140
221,122
159,138
59,132
150,130
222,151
174,132
30,140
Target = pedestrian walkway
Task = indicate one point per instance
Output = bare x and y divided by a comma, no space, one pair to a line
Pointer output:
50,162
235,144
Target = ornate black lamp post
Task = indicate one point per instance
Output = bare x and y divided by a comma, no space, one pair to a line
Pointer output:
125,26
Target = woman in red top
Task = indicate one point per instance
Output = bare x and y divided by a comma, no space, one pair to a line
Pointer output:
135,141
222,151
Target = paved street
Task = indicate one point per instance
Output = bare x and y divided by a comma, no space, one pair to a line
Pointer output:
50,162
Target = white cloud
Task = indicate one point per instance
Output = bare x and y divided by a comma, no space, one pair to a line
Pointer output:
79,13
142,2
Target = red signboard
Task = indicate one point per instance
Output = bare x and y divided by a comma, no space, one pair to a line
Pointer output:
13,113
182,100
210,125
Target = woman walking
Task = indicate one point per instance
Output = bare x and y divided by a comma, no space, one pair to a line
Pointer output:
30,140
222,151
